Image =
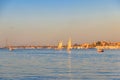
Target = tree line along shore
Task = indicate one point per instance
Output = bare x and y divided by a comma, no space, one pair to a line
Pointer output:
99,44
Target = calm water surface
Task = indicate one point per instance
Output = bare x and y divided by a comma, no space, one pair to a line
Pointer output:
44,64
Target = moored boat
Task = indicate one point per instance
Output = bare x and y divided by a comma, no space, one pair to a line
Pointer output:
100,50
10,49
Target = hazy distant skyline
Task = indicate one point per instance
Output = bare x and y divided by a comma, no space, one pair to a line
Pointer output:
46,22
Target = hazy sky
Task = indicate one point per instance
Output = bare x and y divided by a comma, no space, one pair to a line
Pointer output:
46,22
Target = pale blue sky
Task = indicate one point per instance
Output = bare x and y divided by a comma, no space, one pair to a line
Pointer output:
48,21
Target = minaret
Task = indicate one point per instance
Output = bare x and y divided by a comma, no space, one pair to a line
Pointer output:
69,44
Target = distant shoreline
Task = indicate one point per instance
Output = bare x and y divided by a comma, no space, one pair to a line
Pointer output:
54,47
96,45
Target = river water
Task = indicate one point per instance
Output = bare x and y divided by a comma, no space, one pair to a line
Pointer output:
49,64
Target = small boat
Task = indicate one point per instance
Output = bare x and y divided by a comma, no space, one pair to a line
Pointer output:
100,50
10,49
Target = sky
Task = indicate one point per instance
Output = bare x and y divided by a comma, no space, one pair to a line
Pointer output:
45,22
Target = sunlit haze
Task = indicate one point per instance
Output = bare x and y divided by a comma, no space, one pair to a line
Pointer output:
45,22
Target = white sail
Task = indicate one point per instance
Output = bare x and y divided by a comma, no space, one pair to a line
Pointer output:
69,45
60,45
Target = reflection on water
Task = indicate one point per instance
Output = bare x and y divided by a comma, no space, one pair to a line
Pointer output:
69,51
42,64
69,66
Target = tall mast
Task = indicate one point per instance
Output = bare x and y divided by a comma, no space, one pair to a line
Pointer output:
6,43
